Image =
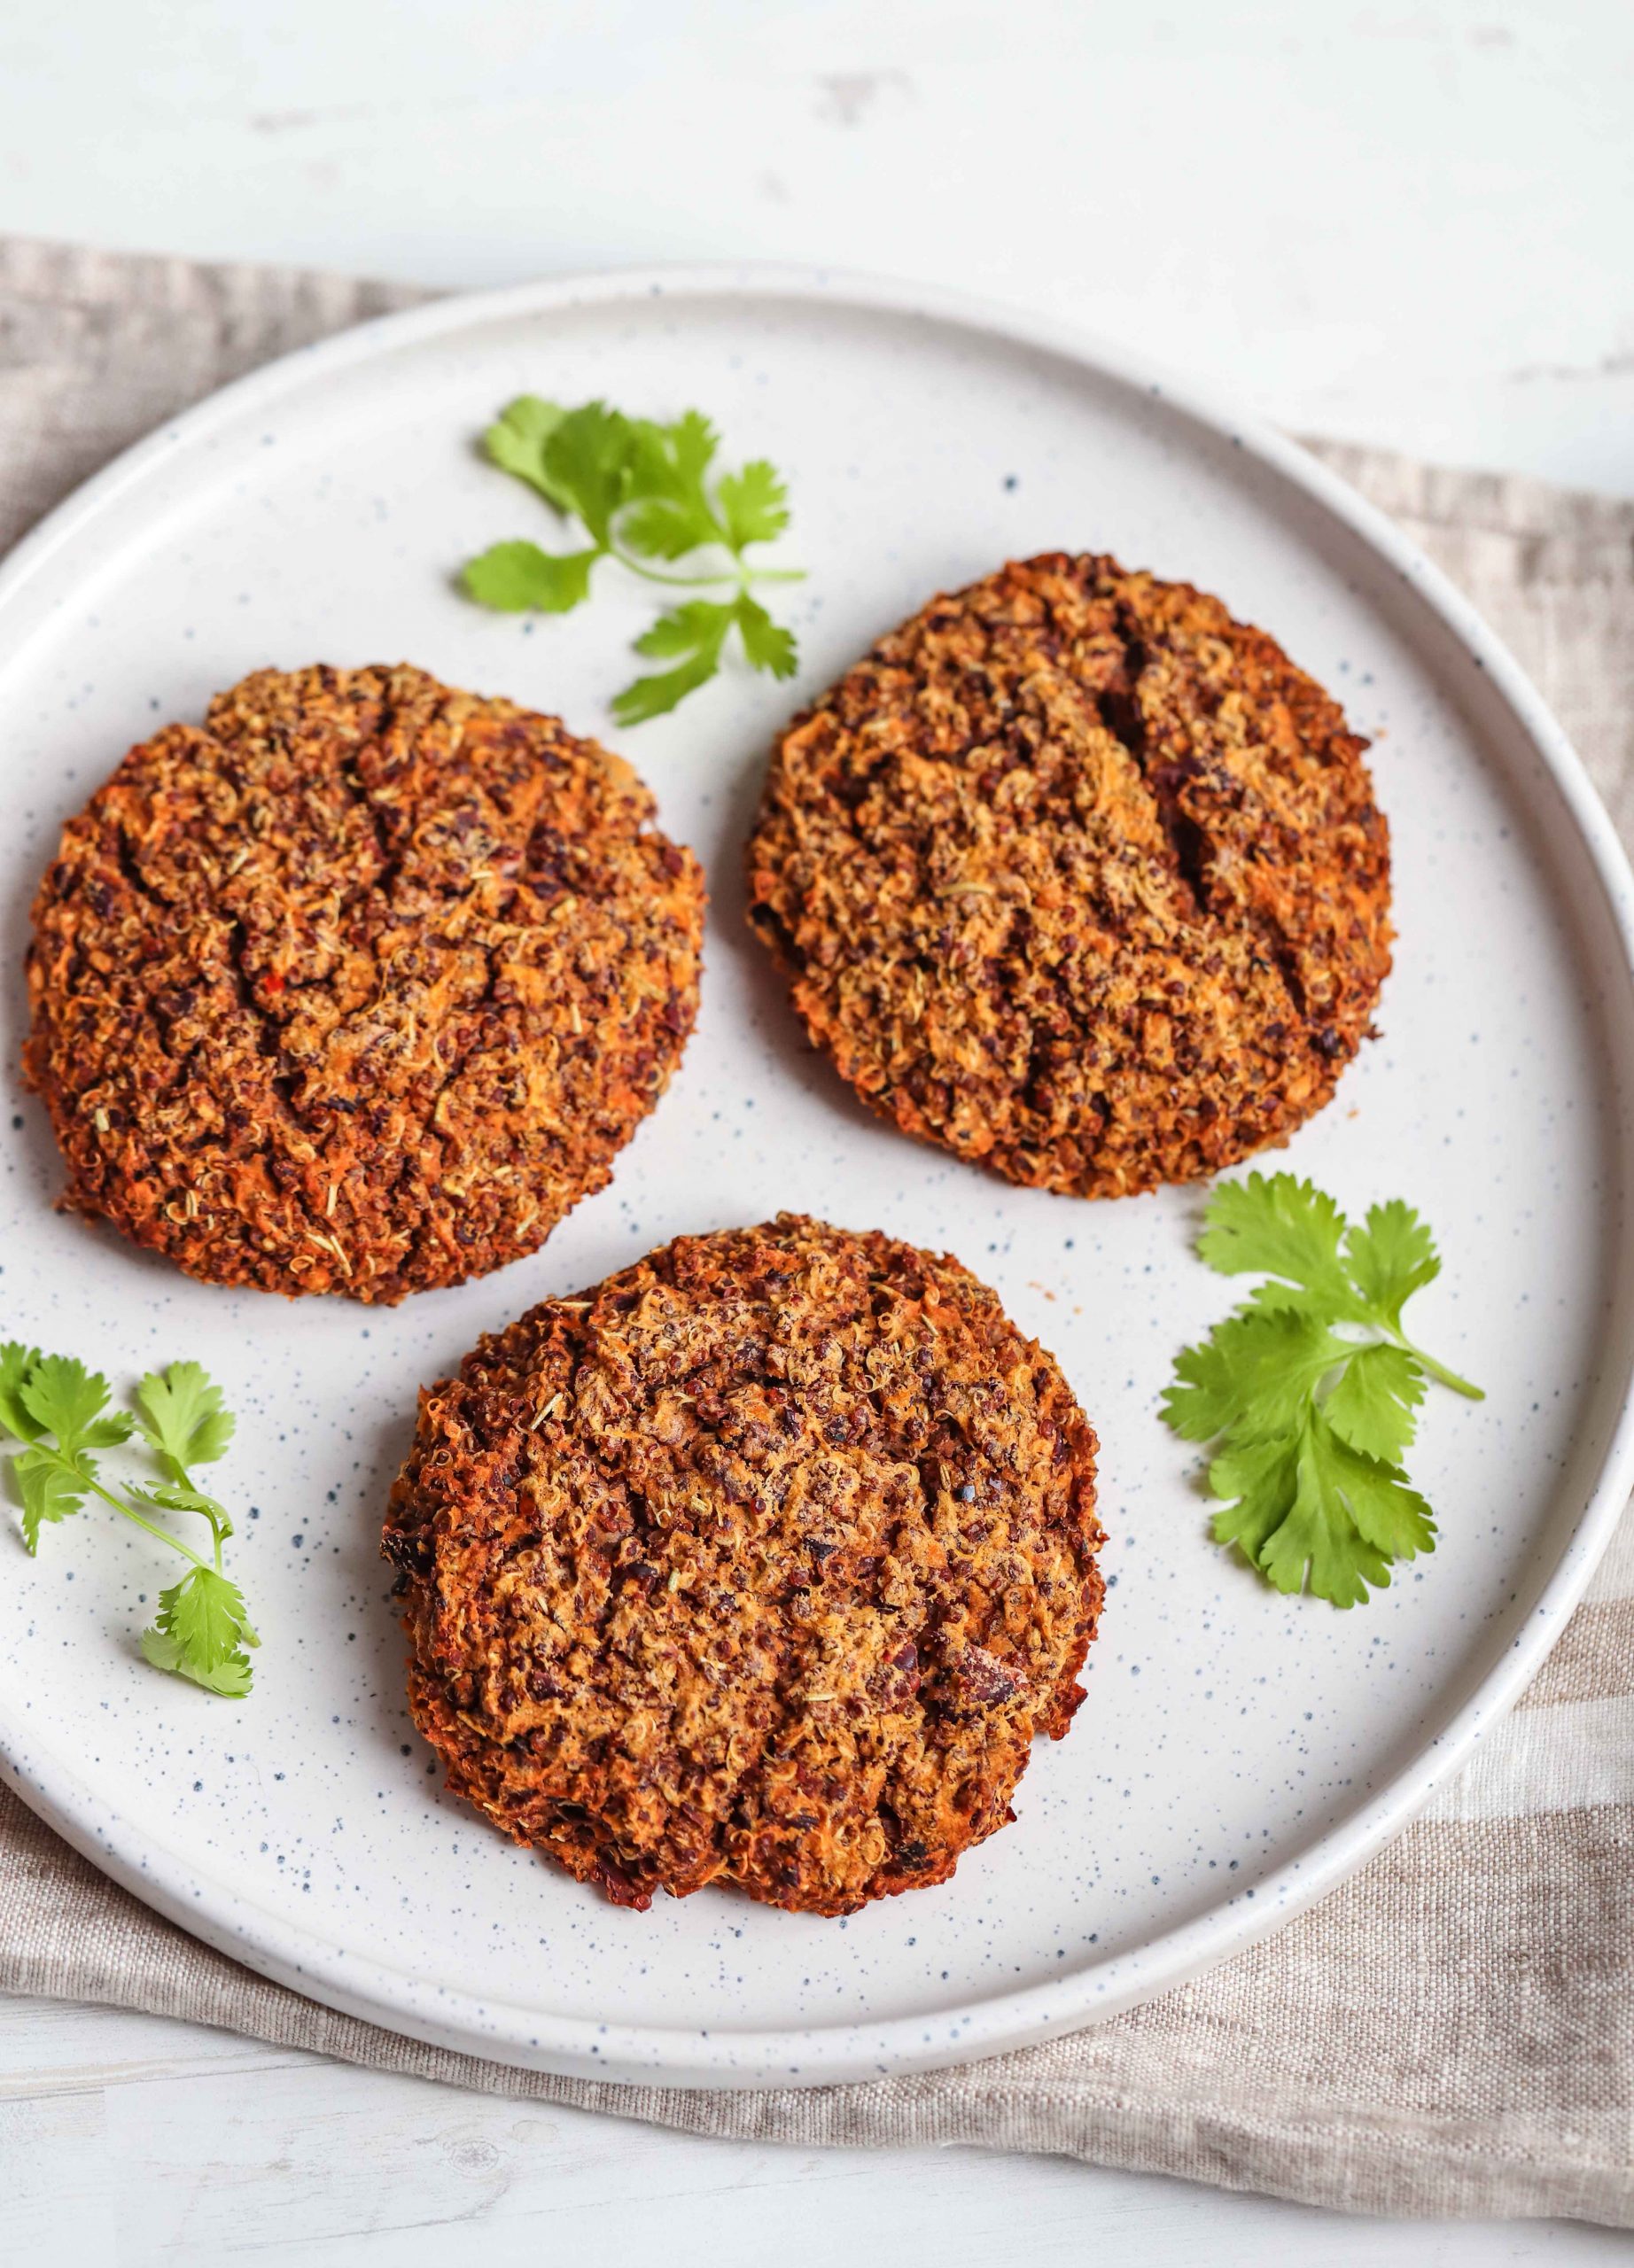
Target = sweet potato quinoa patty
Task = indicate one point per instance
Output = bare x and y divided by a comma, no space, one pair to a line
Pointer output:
359,988
761,1562
1078,877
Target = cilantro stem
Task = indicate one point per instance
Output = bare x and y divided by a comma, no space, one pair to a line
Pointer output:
676,582
742,576
152,1527
1439,1370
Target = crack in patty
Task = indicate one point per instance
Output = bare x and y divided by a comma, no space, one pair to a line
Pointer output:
358,987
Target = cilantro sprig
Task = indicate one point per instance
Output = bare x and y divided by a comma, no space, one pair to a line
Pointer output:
1310,1389
59,1411
643,492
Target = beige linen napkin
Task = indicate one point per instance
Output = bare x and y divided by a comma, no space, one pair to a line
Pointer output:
1451,2033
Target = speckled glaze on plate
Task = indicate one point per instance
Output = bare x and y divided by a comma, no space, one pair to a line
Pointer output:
1239,1751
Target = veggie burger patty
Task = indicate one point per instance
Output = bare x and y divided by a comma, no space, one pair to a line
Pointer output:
1078,877
358,987
763,1562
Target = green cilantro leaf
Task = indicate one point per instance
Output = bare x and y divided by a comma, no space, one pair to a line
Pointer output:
1285,1229
514,578
53,1487
516,442
586,460
232,1679
1309,1416
202,1632
696,631
754,504
181,1413
1389,1513
1375,1404
1258,1482
642,490
1252,1375
64,1398
1390,1258
661,527
672,514
178,1496
700,623
766,644
1347,1518
688,446
16,1362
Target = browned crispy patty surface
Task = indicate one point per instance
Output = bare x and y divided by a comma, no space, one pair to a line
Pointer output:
1078,877
761,1562
358,987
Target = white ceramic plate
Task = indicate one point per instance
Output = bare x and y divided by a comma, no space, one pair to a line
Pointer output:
1238,1751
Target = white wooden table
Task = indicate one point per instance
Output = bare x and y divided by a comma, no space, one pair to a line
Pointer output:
127,2141
1407,221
